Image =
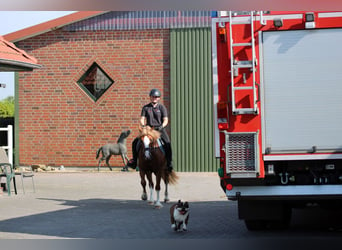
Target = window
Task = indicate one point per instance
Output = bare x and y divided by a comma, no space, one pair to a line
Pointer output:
95,82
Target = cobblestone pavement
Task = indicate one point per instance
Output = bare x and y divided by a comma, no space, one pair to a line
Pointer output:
107,205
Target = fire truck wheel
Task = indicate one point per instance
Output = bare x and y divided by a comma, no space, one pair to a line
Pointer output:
283,223
255,225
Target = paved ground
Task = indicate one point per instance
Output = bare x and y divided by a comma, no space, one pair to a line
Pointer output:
98,205
107,205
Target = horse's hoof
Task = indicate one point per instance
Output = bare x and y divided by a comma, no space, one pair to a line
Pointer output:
158,206
144,196
150,203
166,200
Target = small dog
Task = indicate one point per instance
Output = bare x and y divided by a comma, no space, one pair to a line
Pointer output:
179,213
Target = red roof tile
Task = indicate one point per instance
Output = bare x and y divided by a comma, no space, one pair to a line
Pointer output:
15,59
50,25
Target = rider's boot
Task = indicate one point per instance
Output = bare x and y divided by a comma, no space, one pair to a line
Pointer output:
132,163
168,154
169,166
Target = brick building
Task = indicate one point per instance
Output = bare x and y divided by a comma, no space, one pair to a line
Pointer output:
97,70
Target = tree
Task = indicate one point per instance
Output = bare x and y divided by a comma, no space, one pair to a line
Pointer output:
7,107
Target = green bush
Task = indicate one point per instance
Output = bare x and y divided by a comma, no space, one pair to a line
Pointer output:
7,107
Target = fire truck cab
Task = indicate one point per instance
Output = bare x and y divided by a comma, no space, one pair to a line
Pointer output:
277,84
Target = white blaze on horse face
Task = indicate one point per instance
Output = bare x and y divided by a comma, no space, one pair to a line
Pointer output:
146,141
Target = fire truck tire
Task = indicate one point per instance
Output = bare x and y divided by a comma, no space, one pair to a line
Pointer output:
255,225
283,223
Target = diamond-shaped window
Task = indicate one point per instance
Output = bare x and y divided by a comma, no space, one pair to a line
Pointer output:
95,82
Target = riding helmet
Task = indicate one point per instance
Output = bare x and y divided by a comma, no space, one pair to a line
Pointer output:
155,92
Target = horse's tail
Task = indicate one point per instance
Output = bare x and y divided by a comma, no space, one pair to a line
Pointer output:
98,152
173,178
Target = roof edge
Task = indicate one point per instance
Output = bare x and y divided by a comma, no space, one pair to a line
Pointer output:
22,66
50,25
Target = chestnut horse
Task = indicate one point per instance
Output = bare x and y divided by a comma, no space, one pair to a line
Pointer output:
152,160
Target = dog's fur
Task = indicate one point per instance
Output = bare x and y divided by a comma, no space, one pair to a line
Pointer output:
110,149
180,213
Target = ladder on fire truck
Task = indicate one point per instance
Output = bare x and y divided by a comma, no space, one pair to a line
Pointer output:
236,64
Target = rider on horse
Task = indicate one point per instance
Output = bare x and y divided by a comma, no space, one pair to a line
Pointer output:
154,114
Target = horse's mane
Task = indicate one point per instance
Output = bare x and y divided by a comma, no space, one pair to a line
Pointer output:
147,130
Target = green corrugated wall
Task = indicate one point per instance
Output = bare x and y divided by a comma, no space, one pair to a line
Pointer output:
191,100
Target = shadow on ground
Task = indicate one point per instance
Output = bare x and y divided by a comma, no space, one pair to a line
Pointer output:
135,219
120,219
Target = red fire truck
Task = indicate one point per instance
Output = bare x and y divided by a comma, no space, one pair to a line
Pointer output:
277,84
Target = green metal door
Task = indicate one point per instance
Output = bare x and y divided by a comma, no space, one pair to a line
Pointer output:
192,101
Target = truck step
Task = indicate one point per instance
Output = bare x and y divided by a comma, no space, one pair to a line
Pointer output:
243,88
241,44
242,64
240,21
245,111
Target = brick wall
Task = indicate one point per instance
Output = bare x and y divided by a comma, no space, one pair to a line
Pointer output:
59,124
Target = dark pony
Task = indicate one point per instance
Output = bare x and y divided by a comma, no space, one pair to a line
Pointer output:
151,160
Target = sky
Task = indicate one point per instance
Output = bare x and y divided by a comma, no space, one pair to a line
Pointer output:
11,21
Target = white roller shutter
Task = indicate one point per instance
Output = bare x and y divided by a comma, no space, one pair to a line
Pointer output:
302,90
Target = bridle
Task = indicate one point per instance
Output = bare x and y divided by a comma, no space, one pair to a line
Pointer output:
149,140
